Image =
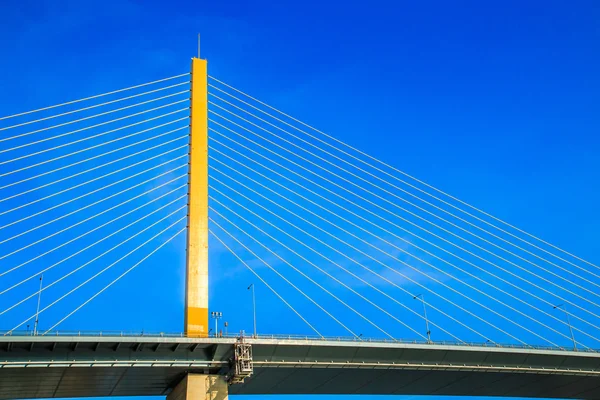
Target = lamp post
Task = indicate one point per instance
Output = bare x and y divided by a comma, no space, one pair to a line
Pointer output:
216,315
564,308
37,311
253,306
420,297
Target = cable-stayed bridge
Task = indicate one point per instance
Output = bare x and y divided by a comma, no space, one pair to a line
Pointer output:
399,286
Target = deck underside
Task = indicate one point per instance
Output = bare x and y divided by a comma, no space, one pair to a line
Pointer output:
94,367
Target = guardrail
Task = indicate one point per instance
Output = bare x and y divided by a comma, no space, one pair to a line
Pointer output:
307,338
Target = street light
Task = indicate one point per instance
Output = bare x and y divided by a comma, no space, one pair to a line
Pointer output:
216,315
37,311
564,308
253,306
420,297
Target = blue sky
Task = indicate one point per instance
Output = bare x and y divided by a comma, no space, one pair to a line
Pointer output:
494,102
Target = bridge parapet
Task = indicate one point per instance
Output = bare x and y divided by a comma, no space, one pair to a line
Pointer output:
43,366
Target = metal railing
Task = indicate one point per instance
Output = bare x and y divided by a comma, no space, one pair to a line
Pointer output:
307,338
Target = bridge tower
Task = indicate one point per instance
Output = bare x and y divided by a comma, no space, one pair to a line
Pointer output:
196,298
198,386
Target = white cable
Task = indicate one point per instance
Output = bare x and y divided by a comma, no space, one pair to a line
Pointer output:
90,107
93,97
473,314
407,192
92,204
88,232
341,253
410,203
94,146
80,251
399,188
288,281
113,282
413,224
294,237
265,283
87,194
312,264
85,119
100,155
403,251
326,259
98,166
382,228
396,258
411,233
411,213
408,176
81,130
116,171
105,269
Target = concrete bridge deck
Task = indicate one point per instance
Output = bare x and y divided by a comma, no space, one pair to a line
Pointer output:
74,366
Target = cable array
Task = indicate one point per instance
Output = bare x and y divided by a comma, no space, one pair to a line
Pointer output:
347,244
89,190
341,222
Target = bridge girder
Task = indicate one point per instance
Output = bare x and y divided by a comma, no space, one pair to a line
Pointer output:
54,367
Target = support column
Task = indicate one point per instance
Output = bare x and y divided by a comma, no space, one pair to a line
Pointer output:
196,299
200,387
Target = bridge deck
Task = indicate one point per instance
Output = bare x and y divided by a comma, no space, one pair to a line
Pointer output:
38,367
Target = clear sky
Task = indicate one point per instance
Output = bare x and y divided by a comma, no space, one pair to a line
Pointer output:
495,102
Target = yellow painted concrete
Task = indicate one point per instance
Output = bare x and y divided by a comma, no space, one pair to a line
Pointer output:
196,304
200,387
